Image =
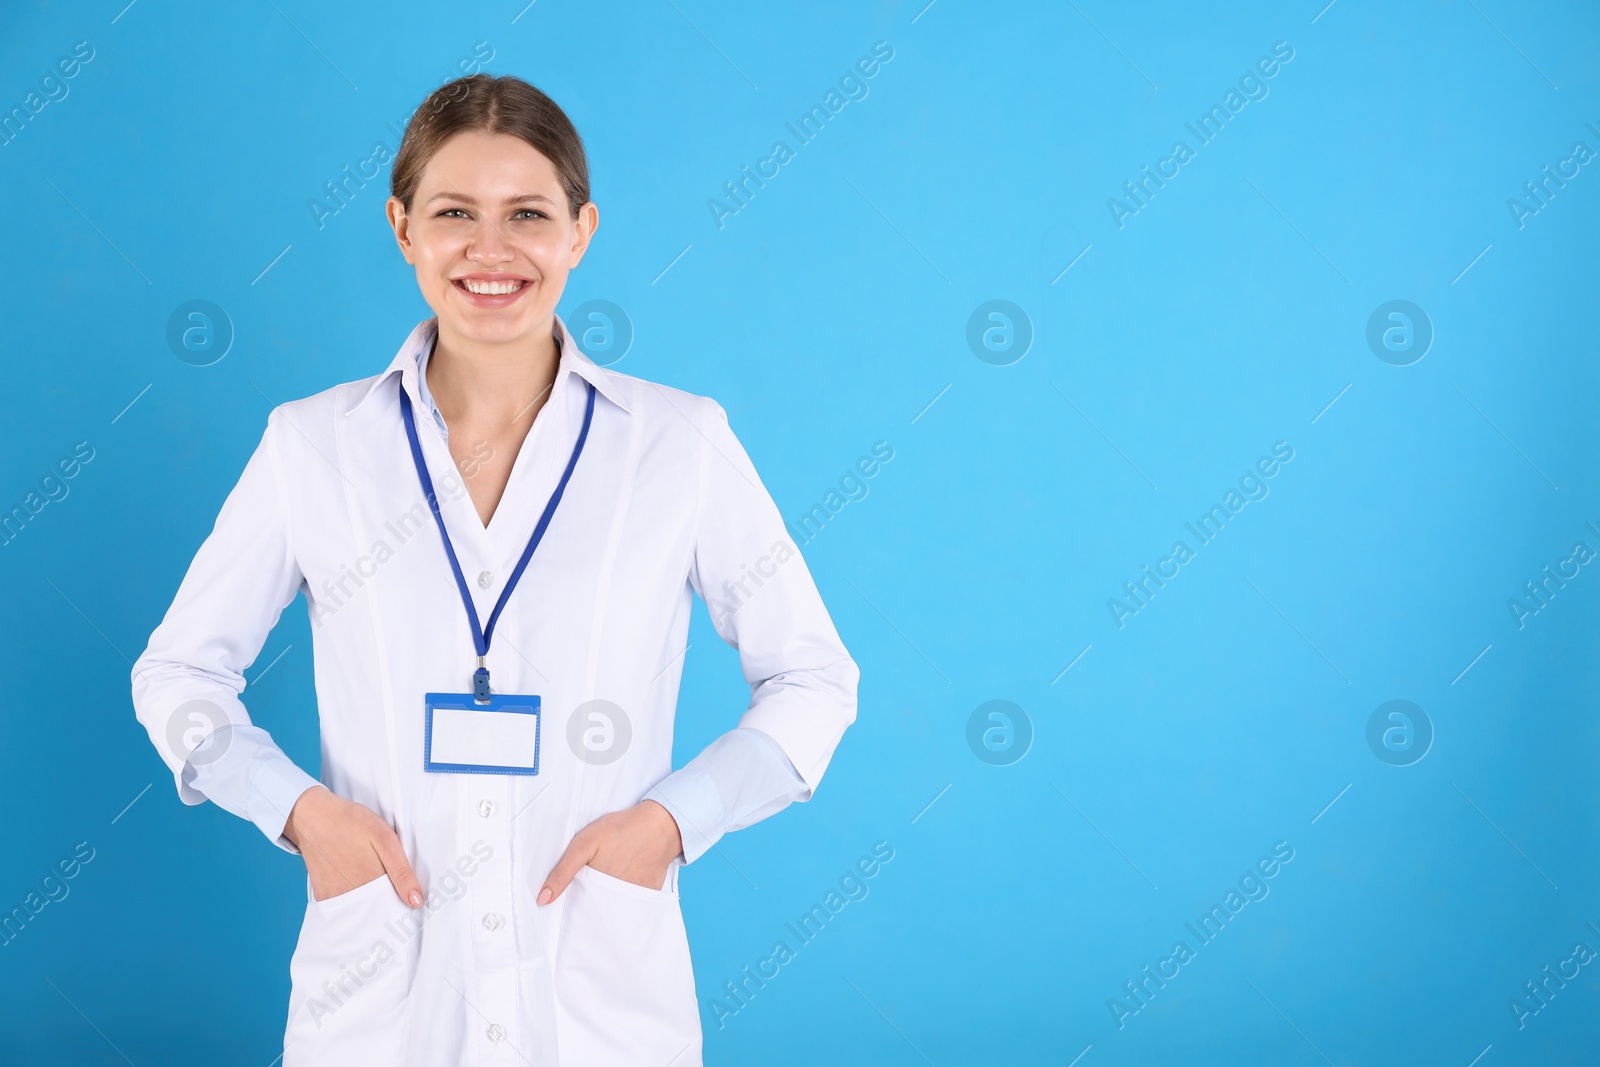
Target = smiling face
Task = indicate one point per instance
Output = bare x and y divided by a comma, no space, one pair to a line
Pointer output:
491,236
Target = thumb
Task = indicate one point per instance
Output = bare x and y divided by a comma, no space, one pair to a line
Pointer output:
401,876
580,852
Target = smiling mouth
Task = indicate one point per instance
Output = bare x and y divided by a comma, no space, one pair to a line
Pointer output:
489,288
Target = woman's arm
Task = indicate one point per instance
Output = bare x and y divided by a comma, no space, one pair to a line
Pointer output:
187,682
764,603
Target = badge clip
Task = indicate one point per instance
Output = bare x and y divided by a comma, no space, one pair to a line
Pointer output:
480,683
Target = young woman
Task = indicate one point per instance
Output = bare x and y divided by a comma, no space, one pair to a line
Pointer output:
499,542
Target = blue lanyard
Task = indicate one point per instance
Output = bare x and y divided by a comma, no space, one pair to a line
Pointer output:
482,635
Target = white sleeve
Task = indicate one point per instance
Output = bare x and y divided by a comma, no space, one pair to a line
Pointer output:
764,603
186,683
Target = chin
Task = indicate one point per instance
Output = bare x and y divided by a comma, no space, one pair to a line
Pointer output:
490,327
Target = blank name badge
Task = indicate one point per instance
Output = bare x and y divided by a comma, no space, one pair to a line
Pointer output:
465,736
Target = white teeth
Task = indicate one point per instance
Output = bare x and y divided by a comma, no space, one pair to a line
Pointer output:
491,288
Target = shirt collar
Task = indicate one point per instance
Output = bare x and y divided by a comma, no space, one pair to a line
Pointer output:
616,388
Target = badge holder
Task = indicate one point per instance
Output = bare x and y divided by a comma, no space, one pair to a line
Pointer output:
466,737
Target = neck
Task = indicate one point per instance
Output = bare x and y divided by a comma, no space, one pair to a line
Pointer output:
492,384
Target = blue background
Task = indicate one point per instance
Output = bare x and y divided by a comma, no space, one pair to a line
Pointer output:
832,312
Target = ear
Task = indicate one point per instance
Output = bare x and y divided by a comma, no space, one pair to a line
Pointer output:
401,223
586,224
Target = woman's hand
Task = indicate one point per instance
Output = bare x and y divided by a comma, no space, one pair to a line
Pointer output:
346,845
636,845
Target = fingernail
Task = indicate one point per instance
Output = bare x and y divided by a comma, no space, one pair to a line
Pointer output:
416,898
545,895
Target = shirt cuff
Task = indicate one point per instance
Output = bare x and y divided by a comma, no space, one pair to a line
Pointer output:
741,778
695,804
242,771
276,785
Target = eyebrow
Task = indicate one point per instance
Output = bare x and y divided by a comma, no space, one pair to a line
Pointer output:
526,198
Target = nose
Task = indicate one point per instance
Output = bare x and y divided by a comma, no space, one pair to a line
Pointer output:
488,244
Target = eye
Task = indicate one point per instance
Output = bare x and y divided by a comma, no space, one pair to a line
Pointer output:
447,211
533,211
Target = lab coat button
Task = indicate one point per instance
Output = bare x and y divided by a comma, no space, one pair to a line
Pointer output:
485,580
491,921
486,808
495,1032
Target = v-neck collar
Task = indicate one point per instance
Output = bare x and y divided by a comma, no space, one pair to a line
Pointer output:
537,468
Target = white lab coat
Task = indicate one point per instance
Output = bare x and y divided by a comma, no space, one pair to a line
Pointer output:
664,503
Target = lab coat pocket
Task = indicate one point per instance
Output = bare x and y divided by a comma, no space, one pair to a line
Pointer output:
623,978
349,977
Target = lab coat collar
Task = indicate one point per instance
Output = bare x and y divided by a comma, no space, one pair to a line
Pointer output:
616,388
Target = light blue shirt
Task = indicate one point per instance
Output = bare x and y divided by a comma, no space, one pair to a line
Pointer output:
739,779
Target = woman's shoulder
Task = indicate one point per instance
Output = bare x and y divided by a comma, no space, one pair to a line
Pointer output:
326,406
335,399
661,406
321,421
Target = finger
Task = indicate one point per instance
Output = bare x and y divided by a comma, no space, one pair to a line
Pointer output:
393,854
580,852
